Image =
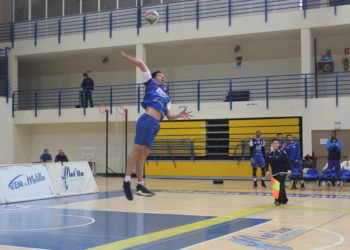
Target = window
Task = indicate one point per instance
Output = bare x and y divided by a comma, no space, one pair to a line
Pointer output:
38,9
21,10
90,6
127,3
71,7
54,8
108,4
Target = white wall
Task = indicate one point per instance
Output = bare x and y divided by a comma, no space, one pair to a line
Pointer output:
6,138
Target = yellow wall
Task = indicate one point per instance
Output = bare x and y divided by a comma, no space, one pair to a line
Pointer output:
198,169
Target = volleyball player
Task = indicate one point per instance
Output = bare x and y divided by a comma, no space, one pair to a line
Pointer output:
257,157
156,102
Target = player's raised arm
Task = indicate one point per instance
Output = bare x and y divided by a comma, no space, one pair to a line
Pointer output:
139,63
183,114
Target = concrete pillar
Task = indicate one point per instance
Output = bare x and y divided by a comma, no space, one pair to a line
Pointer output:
140,54
13,71
306,51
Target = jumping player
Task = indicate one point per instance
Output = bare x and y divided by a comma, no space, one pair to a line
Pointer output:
257,157
156,102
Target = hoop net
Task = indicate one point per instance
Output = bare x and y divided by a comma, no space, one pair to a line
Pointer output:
120,109
102,107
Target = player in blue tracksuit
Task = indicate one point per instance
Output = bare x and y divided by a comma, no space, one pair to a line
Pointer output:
156,102
334,147
292,149
280,167
257,157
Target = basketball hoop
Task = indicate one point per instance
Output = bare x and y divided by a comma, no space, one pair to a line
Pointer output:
102,107
120,109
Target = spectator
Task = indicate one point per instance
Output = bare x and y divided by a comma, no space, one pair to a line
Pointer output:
61,157
280,167
292,149
46,157
88,87
334,147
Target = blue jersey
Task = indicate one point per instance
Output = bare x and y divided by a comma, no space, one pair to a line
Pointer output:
334,147
256,145
293,150
156,96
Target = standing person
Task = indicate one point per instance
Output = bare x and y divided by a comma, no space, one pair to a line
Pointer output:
46,157
280,142
61,157
280,167
334,147
292,149
88,87
156,102
257,157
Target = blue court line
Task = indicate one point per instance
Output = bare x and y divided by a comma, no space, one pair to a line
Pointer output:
255,194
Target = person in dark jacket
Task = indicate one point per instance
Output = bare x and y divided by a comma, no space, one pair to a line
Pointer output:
280,167
88,87
334,147
61,157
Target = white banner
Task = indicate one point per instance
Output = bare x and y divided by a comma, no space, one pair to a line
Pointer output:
25,182
72,178
2,195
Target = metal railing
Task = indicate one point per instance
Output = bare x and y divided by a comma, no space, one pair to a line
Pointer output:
175,12
4,74
260,88
204,148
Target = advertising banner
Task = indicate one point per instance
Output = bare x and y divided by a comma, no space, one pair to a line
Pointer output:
25,182
72,178
2,195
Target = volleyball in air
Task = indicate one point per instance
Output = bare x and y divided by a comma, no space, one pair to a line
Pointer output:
152,17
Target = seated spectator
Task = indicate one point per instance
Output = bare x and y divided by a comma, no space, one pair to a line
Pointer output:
61,157
46,157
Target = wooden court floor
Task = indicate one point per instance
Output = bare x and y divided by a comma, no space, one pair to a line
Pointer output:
184,214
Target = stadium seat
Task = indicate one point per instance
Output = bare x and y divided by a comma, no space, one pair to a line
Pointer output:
297,174
311,174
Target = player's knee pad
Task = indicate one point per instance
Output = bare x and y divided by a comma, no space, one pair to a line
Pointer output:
254,171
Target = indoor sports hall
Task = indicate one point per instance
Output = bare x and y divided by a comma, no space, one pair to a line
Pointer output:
280,67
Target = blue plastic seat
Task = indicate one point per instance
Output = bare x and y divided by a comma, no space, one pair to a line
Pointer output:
297,173
311,174
328,175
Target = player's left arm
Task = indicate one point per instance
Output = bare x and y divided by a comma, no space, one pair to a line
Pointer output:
183,114
340,145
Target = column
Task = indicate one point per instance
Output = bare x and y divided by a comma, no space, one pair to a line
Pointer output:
13,71
140,54
306,51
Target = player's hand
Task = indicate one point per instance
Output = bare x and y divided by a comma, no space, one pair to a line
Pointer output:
252,160
296,161
267,174
185,115
289,172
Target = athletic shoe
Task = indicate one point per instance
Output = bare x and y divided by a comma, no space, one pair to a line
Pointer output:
277,203
143,191
255,184
127,190
263,184
302,186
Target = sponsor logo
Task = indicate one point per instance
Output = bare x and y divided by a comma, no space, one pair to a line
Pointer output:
72,175
24,180
264,241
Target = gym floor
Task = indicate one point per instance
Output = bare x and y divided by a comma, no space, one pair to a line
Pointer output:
184,214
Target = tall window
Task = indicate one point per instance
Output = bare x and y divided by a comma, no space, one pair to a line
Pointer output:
21,10
71,7
90,6
108,4
38,9
148,2
127,3
54,8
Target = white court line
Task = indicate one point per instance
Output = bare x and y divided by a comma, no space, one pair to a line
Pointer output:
24,247
40,229
224,235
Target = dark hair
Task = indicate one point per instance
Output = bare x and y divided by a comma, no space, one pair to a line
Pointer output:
154,74
45,149
274,139
85,74
279,134
334,132
289,135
